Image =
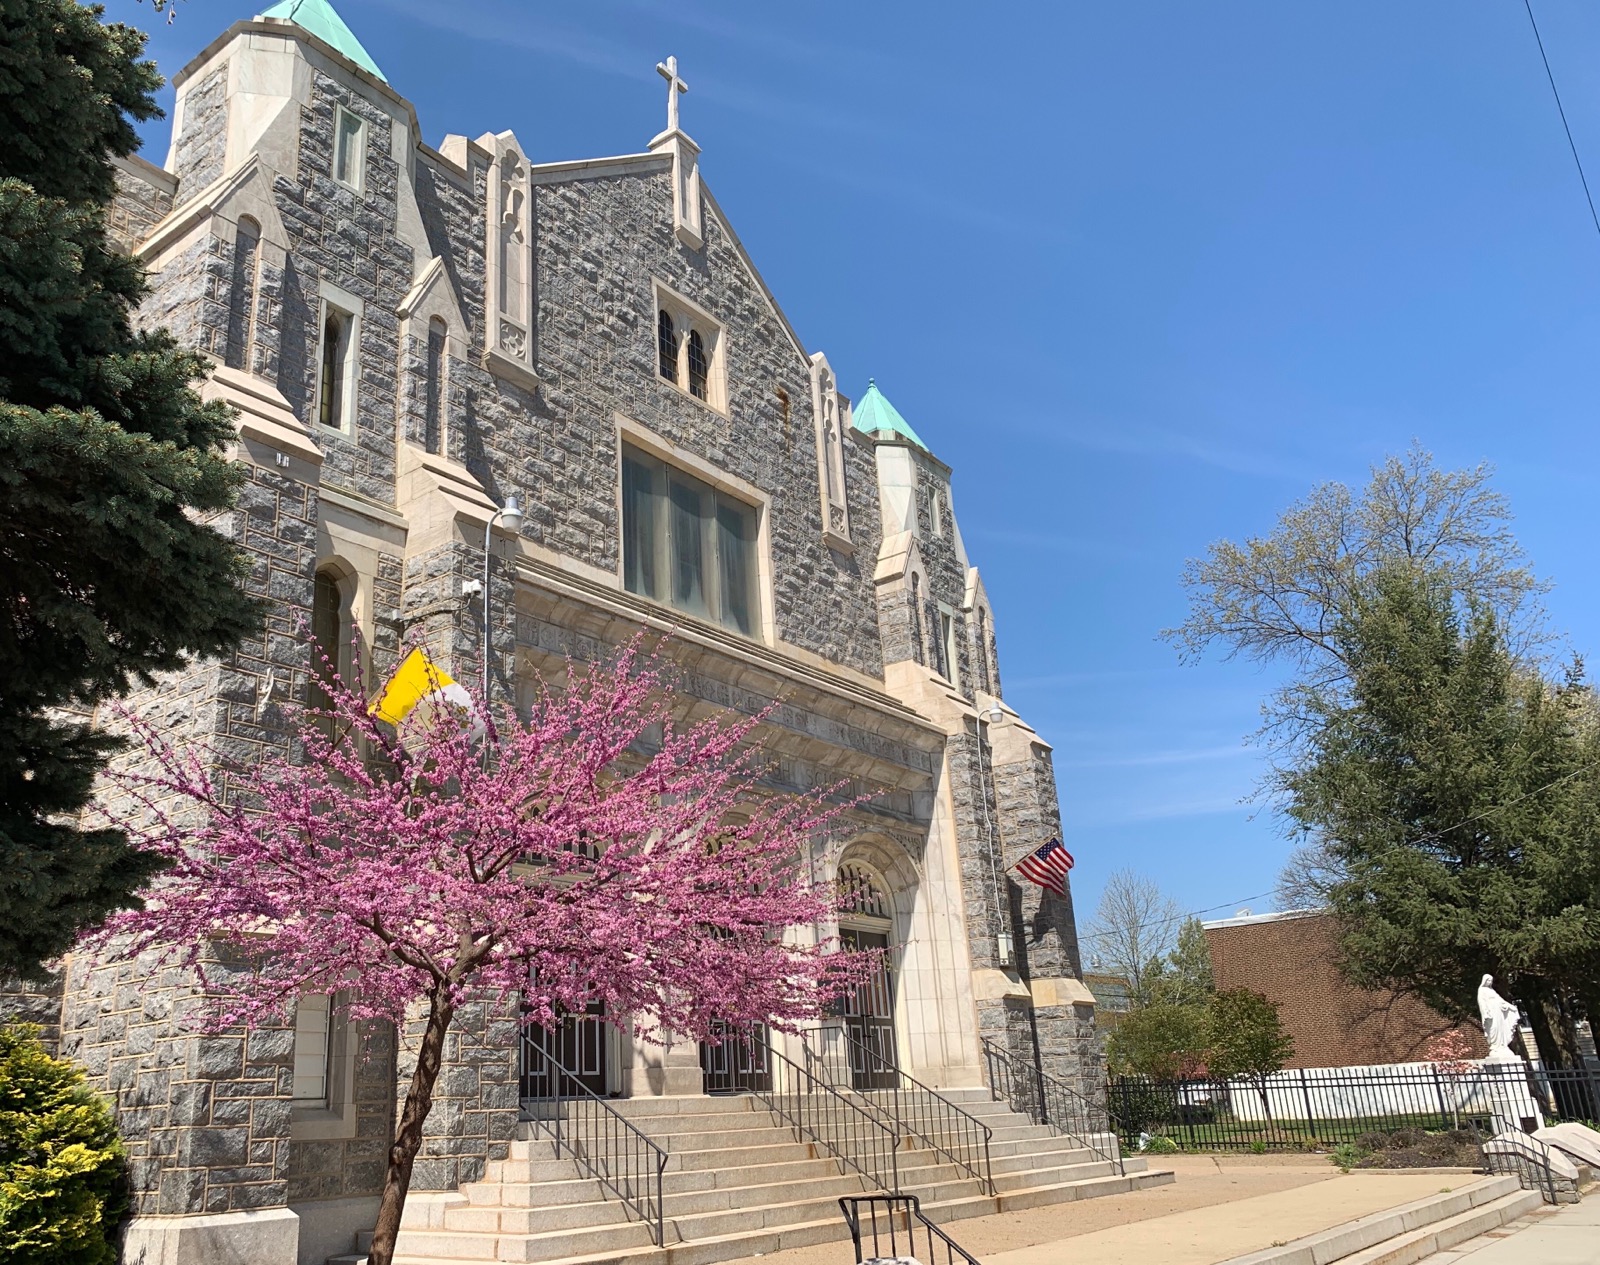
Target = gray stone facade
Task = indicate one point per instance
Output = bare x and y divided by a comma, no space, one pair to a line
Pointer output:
249,238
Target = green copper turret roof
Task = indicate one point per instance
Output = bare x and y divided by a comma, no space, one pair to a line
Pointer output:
874,413
318,17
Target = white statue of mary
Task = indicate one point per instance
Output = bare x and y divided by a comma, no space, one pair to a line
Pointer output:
1499,1021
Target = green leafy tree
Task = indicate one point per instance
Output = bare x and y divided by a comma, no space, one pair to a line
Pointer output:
61,1165
1454,793
1185,977
1163,1041
110,466
1246,1039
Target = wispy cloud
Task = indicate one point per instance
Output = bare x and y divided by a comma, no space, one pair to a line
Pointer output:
1169,810
626,51
1151,759
1082,546
1166,443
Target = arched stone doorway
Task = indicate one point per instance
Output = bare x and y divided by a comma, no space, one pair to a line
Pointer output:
867,1012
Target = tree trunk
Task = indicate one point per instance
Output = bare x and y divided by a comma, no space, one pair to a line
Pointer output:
1554,1031
408,1132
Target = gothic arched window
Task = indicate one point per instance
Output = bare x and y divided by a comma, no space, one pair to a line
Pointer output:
335,364
699,366
433,403
667,345
330,636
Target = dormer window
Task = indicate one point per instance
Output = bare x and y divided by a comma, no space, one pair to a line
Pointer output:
690,349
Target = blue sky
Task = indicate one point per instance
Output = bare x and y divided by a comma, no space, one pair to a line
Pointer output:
1142,272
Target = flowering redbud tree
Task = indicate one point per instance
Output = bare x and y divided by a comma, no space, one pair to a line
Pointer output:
579,855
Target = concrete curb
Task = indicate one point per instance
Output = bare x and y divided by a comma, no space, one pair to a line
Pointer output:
1398,1236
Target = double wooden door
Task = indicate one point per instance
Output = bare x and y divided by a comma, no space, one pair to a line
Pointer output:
869,1016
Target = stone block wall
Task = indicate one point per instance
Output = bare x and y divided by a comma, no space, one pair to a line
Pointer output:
342,1168
202,139
475,1106
205,1118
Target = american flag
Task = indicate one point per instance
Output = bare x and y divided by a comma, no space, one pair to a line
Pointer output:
1047,867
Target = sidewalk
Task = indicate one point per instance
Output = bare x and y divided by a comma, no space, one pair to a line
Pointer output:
1568,1236
1222,1194
1205,1236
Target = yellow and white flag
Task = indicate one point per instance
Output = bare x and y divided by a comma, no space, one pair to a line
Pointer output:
420,687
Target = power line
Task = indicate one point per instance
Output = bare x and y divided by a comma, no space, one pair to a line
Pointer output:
1410,843
1528,5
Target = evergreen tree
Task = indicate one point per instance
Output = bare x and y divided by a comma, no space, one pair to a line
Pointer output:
1454,793
109,467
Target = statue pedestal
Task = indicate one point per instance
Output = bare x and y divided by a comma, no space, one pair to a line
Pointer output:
1501,1088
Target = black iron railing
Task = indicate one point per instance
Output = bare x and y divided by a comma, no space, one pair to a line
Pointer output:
819,1113
1027,1088
917,1111
603,1143
893,1227
1330,1106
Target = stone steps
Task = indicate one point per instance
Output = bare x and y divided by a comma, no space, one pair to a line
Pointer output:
738,1183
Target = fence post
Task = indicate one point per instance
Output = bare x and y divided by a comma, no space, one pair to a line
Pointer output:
1305,1092
1446,1119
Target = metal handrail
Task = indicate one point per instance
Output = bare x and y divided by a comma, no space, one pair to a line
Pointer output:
857,1138
919,1111
601,1141
1030,1090
905,1219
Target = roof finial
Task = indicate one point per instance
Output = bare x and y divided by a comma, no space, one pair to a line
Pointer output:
668,70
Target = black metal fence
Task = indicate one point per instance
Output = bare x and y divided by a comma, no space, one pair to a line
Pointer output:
1322,1107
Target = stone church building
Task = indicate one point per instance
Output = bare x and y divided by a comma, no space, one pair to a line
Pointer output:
415,335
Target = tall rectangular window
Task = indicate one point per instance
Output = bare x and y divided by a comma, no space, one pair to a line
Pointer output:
311,1050
349,148
947,647
686,544
433,401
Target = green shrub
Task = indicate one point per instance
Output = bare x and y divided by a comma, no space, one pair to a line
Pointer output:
62,1185
1258,1147
1159,1145
1348,1155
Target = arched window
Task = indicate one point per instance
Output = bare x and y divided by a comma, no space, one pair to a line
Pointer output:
433,405
667,345
861,893
330,634
335,355
699,366
242,302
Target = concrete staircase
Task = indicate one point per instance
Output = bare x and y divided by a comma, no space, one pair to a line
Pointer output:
737,1183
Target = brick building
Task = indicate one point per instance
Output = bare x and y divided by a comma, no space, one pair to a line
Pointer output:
1290,959
411,334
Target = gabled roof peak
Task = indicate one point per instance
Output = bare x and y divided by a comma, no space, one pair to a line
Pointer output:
320,19
874,413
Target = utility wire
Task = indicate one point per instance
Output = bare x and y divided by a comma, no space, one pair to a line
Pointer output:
1410,843
1528,5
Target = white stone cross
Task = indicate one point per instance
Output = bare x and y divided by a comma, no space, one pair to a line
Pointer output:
668,70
